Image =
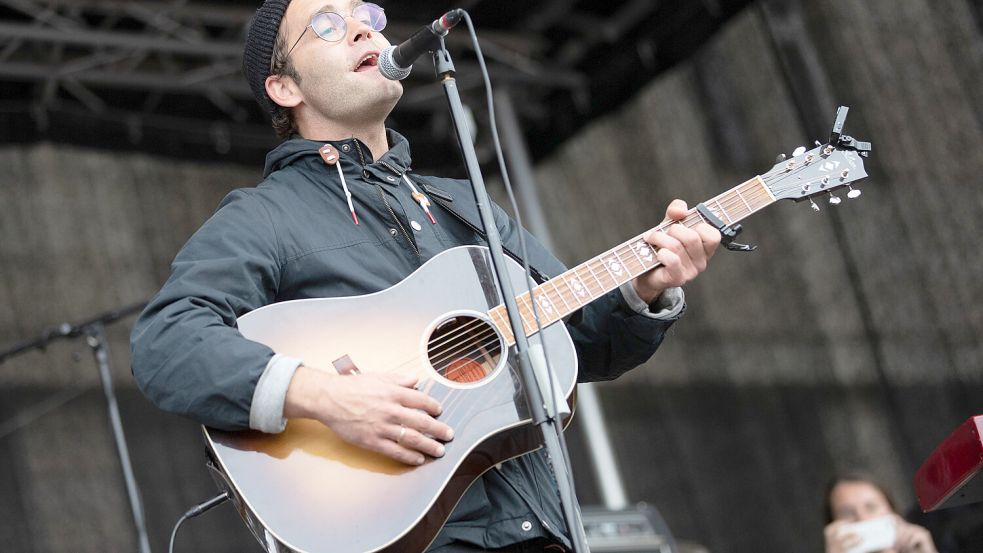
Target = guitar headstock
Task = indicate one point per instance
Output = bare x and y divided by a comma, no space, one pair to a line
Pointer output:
821,170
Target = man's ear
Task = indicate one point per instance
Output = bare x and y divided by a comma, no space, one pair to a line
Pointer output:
283,91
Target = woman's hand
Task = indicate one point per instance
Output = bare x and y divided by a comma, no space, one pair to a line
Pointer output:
913,539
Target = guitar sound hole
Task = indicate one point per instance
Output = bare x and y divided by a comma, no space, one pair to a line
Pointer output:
464,349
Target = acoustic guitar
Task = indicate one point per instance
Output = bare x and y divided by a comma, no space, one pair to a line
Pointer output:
306,490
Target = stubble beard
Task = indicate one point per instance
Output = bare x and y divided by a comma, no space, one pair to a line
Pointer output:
353,102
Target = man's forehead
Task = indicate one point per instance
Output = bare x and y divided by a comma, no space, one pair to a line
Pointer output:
340,6
299,12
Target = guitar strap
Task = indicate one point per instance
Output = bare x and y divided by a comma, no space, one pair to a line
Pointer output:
443,199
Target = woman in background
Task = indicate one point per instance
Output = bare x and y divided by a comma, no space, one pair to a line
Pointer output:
858,497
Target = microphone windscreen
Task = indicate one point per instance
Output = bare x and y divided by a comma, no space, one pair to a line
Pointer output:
389,68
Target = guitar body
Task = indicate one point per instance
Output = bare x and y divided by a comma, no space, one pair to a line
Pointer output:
307,490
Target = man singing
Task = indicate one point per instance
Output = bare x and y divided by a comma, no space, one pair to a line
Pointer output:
309,230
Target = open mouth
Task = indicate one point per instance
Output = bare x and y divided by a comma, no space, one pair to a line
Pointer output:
368,62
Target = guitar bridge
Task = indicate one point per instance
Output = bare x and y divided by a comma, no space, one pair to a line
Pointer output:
344,365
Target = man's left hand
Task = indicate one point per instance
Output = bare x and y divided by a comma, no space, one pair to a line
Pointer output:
682,251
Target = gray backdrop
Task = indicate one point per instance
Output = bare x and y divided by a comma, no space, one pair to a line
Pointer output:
850,338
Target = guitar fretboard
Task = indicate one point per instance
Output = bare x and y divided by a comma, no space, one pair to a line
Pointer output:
572,290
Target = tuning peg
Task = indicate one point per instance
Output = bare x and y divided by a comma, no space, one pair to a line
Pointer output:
834,200
814,206
818,143
799,151
853,193
780,158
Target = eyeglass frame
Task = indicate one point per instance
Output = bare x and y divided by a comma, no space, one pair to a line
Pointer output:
344,20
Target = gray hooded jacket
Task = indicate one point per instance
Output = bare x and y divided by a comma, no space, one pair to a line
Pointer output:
293,237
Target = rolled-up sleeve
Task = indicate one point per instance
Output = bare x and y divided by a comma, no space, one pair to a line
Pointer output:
188,357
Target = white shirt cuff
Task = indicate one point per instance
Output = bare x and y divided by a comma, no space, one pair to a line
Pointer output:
266,411
668,305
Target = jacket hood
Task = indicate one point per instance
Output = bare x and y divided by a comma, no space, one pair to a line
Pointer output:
295,149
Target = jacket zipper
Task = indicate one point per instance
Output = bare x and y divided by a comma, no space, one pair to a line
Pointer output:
391,168
385,202
399,223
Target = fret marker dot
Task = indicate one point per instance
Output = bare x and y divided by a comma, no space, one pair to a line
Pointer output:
577,286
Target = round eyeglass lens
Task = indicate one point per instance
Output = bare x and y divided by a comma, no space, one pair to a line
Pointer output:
372,15
329,26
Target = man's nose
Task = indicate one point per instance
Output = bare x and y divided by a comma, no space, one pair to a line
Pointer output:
358,30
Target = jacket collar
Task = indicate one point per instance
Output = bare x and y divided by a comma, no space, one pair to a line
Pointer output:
396,160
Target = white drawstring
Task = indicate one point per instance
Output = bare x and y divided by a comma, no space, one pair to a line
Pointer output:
420,198
330,156
348,195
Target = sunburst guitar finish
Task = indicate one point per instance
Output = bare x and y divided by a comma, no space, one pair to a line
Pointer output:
307,490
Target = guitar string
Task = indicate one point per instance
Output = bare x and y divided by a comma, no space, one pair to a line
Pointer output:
451,395
452,337
487,340
724,201
489,331
454,396
618,252
735,198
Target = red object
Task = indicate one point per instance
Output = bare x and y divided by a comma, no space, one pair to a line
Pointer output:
951,474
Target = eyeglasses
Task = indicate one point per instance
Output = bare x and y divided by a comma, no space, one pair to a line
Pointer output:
332,27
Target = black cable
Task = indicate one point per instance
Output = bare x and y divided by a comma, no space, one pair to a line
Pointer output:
195,511
524,253
518,220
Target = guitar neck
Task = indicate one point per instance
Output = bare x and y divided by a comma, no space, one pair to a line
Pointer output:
572,290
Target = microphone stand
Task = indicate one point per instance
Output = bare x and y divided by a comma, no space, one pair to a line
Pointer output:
94,331
547,422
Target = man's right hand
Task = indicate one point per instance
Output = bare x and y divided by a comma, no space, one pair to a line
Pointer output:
379,412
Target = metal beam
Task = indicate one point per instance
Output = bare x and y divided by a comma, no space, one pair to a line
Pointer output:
118,39
204,12
42,14
609,30
176,83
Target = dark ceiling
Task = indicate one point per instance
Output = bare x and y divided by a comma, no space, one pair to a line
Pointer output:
163,76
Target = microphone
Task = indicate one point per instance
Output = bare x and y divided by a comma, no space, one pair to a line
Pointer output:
396,62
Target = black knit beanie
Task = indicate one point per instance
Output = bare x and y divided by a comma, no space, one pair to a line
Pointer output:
258,51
